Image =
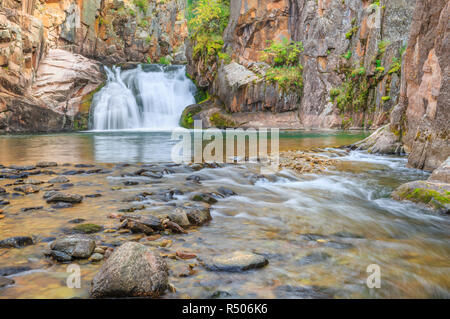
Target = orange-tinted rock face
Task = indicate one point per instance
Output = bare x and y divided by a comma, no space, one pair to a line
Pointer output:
424,109
115,31
256,24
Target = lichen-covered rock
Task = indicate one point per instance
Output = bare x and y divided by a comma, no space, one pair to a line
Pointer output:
133,270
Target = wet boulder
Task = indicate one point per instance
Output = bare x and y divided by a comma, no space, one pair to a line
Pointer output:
58,180
133,270
12,270
46,164
225,192
180,217
204,197
27,188
64,197
23,167
152,174
199,216
16,242
141,224
235,262
75,246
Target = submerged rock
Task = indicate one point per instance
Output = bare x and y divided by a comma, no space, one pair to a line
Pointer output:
235,262
46,164
58,256
6,282
204,197
27,188
225,192
87,228
303,292
199,216
59,179
61,205
23,168
16,242
313,258
96,257
12,270
133,270
76,246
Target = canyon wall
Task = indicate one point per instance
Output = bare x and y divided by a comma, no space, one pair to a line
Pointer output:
423,114
352,47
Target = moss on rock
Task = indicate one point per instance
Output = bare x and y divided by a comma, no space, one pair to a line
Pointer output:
434,195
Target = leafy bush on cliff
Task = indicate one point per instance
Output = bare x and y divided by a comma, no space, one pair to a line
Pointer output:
207,19
284,59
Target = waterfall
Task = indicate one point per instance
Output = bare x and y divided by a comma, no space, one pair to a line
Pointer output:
147,97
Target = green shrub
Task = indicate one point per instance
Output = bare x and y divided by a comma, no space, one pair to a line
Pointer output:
351,32
284,59
221,121
209,17
164,60
382,46
347,55
283,53
141,4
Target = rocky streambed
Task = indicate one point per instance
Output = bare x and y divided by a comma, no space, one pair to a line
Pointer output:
219,230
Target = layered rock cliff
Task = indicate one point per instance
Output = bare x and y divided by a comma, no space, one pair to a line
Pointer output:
51,54
116,31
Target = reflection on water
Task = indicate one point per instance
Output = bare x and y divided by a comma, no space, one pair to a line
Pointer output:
133,146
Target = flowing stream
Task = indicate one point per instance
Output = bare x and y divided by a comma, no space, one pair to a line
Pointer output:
147,97
319,231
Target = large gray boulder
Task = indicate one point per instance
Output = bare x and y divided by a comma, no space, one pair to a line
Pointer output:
133,270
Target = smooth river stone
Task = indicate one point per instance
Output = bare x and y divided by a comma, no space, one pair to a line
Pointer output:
235,262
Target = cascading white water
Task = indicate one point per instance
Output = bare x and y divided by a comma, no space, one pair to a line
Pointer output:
147,97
